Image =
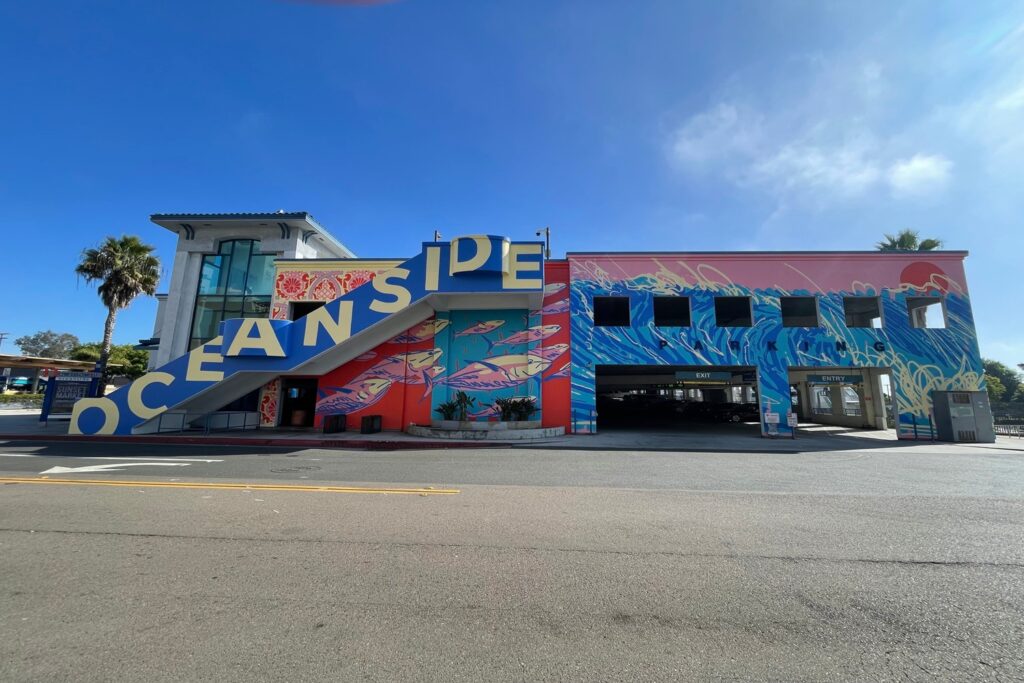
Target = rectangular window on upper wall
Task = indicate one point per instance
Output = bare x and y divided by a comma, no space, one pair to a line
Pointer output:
862,311
926,312
672,311
611,311
300,309
799,311
733,311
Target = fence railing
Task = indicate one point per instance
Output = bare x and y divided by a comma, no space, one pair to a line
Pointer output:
1010,430
219,421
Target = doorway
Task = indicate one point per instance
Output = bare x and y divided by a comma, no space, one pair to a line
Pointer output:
298,402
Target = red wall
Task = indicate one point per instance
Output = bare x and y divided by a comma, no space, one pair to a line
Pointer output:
403,402
556,381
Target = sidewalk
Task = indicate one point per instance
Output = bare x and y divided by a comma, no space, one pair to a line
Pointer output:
24,425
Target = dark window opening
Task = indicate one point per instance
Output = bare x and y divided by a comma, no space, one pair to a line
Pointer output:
926,312
303,308
733,311
611,311
672,311
862,311
799,311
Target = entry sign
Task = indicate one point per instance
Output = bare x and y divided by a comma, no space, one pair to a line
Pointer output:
712,375
835,379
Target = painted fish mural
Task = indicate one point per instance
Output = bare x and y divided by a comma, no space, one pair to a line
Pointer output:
496,372
354,396
481,328
563,372
422,332
553,288
550,353
530,334
556,307
401,367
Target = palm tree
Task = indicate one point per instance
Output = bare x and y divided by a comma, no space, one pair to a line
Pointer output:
907,240
125,268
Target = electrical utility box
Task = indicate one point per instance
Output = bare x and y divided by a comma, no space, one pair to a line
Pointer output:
963,416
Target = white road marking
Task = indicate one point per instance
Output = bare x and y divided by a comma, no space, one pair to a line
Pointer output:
100,457
112,467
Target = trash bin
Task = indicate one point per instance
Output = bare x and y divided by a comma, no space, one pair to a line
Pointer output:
370,424
335,423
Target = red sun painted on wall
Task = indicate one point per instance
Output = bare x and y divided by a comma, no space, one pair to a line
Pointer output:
924,275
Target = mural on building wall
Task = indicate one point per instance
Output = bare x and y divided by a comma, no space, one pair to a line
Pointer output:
554,318
294,284
394,380
921,360
262,348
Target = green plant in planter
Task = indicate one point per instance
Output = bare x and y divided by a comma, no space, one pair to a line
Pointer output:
506,408
447,410
523,408
463,402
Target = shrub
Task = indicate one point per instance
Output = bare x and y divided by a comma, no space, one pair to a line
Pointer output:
447,410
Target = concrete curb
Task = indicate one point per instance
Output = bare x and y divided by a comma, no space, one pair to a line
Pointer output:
270,442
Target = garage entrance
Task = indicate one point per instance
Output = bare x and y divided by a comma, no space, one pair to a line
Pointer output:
857,398
677,398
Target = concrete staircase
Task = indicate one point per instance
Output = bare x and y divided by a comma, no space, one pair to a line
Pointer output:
483,271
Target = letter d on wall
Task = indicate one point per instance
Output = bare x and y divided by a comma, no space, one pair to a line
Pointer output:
479,258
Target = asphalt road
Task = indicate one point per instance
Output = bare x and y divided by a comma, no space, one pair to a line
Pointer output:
544,566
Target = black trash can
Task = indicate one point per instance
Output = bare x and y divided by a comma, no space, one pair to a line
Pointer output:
370,424
335,423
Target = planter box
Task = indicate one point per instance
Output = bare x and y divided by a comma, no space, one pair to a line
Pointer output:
473,425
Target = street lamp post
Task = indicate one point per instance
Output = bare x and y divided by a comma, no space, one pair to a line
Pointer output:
546,231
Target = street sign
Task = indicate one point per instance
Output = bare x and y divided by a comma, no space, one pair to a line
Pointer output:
63,390
771,418
835,379
704,375
792,420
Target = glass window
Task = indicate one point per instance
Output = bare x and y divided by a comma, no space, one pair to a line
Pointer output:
672,311
261,275
733,311
862,311
611,311
236,282
799,311
211,279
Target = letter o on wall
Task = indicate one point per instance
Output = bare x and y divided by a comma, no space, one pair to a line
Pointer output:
111,415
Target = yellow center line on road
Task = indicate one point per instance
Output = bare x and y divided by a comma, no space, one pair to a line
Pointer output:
228,486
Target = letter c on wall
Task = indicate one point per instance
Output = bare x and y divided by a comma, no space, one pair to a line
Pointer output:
135,389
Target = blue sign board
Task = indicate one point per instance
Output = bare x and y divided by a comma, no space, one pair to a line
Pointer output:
835,379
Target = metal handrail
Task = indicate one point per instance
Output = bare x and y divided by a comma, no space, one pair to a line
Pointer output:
184,422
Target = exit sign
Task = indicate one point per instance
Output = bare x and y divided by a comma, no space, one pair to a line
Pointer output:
704,375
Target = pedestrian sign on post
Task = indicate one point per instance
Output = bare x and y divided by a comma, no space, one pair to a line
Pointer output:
792,420
63,390
772,420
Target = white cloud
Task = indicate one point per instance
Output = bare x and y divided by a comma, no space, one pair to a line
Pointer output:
919,176
845,169
712,136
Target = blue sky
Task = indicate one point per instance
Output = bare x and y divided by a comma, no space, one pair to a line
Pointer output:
622,125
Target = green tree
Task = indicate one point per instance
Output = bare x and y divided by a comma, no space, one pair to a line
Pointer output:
125,268
47,344
131,362
995,387
908,240
1008,378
